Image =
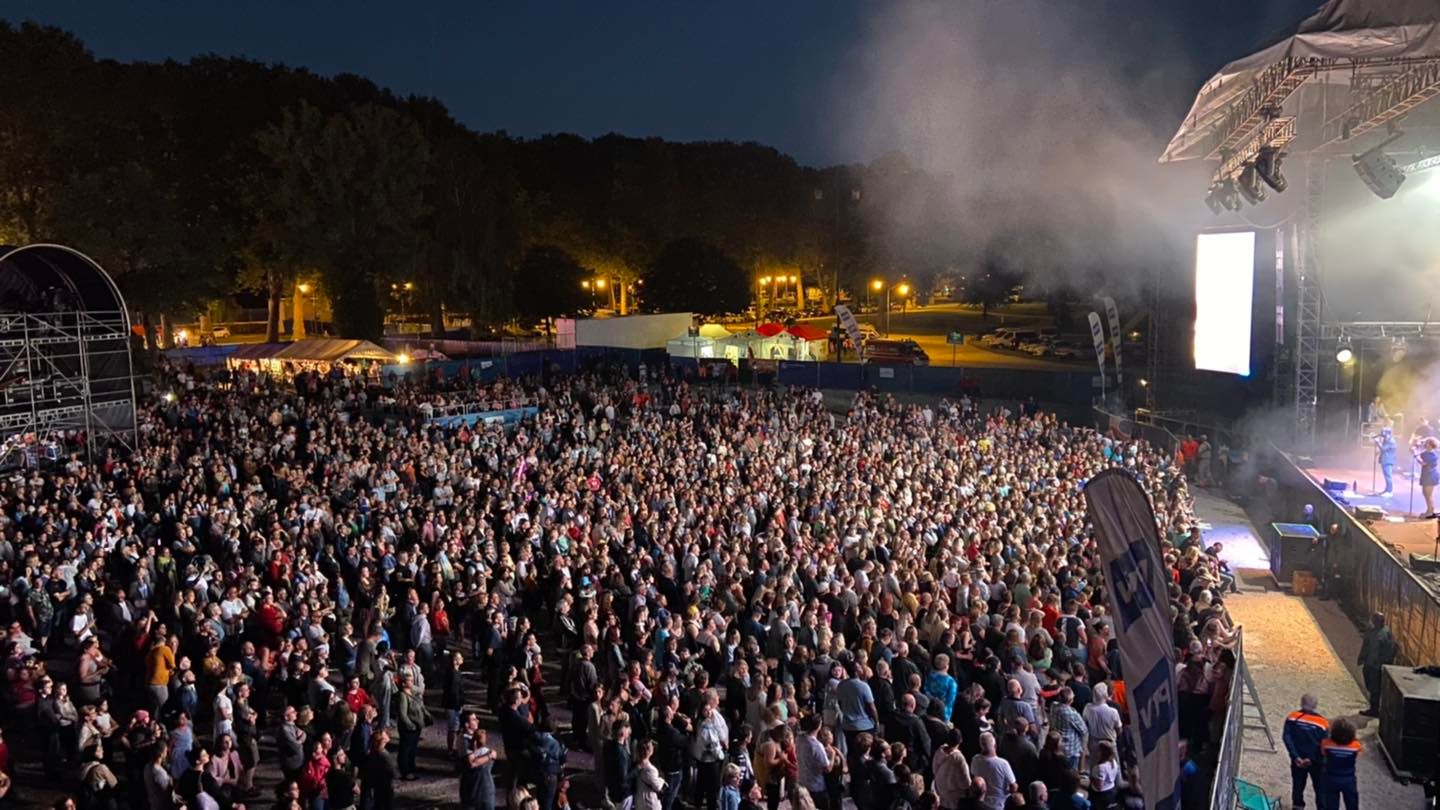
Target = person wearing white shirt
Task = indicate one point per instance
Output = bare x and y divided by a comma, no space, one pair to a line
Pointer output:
998,776
1102,719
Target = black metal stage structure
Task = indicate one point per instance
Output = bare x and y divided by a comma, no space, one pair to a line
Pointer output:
65,365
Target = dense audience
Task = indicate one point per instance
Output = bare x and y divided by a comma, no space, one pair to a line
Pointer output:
651,594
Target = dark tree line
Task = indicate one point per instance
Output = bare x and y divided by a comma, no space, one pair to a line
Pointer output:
190,181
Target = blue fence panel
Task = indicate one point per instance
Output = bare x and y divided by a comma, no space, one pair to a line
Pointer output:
798,373
202,355
525,364
844,376
935,380
890,379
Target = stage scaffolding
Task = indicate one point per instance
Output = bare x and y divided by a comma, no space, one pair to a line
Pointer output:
65,365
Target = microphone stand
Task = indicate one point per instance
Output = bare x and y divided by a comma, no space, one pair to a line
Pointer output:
1410,510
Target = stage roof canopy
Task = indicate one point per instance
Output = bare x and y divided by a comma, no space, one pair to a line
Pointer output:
1340,36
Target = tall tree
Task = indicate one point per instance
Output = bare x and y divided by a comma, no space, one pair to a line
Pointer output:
550,284
351,189
46,132
130,222
691,275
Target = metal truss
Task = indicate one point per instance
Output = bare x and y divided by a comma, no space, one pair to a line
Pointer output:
1391,100
67,371
1277,134
1261,102
1380,330
1309,324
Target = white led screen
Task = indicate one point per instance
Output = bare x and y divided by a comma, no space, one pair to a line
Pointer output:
1224,286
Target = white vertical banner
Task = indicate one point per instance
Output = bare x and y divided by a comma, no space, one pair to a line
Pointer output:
847,321
1112,314
1097,334
1140,603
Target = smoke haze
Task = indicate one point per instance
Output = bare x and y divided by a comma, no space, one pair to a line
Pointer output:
1038,129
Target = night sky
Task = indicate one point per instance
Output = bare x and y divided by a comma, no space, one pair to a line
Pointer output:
775,72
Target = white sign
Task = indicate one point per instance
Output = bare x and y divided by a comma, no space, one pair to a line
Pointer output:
887,373
1097,334
1112,314
1140,604
849,324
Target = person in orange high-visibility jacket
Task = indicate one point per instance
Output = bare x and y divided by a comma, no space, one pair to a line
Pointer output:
1305,729
1337,756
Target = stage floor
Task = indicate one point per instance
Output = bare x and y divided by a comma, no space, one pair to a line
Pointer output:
1402,527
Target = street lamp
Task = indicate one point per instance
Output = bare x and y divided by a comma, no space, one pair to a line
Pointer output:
795,280
902,289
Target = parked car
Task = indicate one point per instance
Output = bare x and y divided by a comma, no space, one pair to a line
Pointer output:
868,331
994,339
220,332
1037,348
1017,338
1067,350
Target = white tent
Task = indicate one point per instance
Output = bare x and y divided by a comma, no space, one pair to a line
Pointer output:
1341,35
715,330
696,347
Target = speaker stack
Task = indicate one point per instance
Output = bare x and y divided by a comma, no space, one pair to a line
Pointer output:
1410,721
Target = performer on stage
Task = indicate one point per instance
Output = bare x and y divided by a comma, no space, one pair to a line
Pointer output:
1376,412
1424,430
1385,447
1429,472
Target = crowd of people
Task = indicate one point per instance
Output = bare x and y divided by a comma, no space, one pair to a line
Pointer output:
649,595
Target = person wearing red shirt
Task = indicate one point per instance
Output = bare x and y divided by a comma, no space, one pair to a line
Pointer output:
271,620
356,697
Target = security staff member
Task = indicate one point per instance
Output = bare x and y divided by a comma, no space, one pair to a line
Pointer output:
1338,754
1304,731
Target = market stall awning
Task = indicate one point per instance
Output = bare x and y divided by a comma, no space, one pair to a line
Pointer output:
332,350
770,329
259,351
807,331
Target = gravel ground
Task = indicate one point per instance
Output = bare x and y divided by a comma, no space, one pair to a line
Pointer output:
1294,646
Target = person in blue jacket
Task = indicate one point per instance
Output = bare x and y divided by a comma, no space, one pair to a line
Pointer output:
1305,729
1338,754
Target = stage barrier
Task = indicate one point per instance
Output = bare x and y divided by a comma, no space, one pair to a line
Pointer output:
1232,742
1372,579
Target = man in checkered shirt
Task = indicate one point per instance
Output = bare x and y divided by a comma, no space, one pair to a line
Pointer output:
1070,725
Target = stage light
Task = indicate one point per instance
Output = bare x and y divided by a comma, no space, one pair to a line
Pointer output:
1249,186
1267,165
1379,173
1212,199
1344,354
1229,197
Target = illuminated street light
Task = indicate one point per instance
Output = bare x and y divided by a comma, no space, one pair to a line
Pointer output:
585,284
305,288
903,289
599,283
877,285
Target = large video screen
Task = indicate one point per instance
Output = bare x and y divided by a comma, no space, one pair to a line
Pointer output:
1224,287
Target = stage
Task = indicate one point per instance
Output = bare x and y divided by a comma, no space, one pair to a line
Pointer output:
1402,527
